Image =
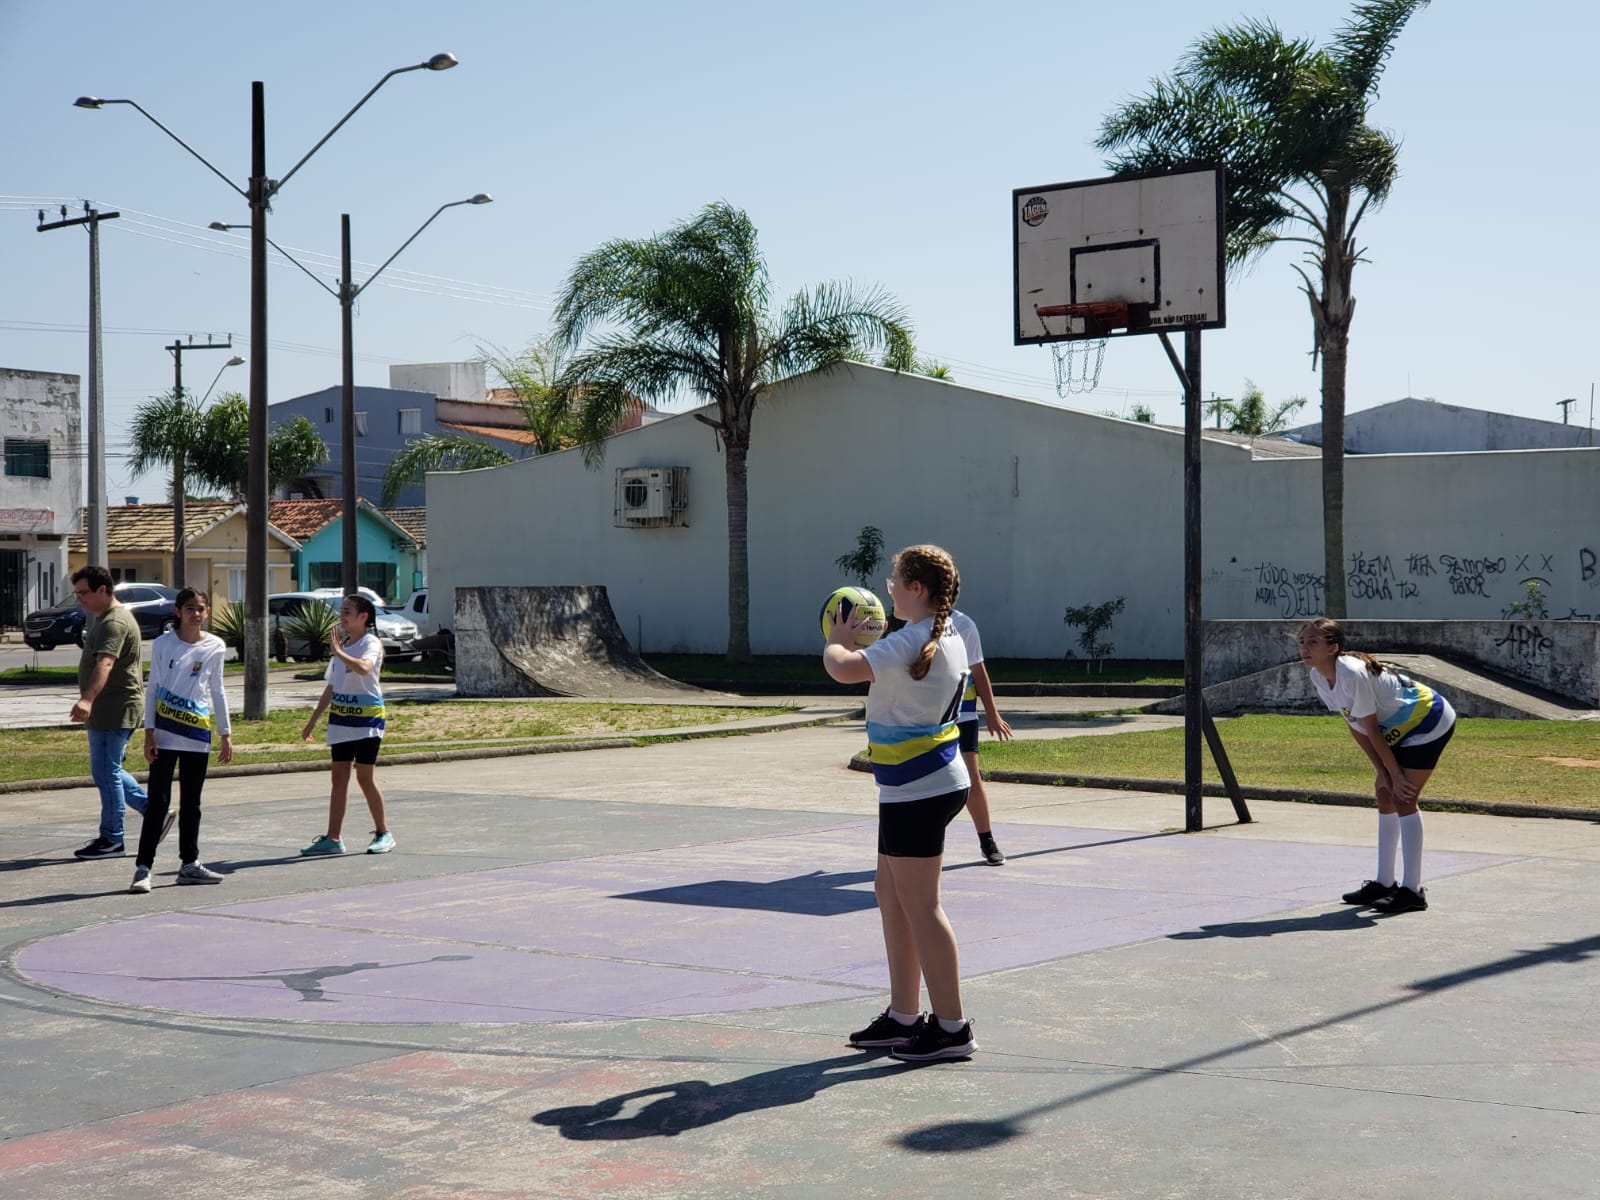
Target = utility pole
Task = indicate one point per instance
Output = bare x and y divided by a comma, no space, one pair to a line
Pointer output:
1565,406
97,416
180,563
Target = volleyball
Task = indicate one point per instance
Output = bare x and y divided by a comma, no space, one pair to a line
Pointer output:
847,600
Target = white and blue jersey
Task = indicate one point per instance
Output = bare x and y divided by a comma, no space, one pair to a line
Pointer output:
912,740
356,710
967,630
184,704
1409,713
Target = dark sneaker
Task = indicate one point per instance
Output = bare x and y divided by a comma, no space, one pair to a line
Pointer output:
100,848
885,1031
931,1043
1403,900
991,852
166,825
1370,892
195,873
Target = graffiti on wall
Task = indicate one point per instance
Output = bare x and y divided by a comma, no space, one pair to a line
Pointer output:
1415,580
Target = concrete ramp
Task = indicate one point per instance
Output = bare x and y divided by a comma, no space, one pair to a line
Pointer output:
1471,692
549,641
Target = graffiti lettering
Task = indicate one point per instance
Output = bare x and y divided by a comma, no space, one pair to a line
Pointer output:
1586,564
1525,641
1419,564
1469,576
1292,593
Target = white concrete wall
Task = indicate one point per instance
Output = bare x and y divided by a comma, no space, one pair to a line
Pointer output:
447,381
1042,507
36,515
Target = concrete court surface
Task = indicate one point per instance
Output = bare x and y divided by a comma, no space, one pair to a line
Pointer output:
630,972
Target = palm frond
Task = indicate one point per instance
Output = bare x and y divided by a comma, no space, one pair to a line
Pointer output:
434,452
1363,46
162,431
819,329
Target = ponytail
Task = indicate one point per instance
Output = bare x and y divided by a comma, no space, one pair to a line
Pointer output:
935,570
1333,633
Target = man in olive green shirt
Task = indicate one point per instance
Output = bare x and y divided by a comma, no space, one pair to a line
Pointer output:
110,703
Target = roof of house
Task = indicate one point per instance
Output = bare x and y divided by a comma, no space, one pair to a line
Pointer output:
303,519
499,433
414,520
147,528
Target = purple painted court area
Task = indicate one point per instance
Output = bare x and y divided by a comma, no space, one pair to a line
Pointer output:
716,927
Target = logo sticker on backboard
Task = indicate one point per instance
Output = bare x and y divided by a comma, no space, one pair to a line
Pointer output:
1035,210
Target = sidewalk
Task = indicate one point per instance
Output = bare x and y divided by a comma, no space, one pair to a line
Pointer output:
629,972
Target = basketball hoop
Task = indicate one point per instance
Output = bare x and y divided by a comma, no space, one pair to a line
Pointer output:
1079,359
1078,365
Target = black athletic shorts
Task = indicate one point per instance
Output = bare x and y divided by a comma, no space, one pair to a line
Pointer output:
968,731
1424,757
361,750
915,828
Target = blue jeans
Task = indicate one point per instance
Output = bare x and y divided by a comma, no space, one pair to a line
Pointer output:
117,787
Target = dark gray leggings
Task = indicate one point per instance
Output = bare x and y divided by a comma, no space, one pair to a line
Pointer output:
191,768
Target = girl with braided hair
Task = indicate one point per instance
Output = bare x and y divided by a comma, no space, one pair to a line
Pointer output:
1403,726
917,675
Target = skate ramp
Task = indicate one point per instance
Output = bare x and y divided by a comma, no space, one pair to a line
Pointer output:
549,641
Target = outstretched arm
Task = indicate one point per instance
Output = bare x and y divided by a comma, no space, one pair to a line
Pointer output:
998,726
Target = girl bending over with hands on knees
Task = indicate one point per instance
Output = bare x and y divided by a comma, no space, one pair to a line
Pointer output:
354,701
183,707
1403,727
918,676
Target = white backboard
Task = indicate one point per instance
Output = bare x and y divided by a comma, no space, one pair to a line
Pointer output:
1153,242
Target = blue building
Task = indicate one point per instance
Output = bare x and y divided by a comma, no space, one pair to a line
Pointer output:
387,556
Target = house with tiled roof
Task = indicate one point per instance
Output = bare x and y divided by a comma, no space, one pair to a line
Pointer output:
387,555
139,547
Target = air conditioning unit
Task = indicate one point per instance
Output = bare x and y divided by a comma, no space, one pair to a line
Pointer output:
652,496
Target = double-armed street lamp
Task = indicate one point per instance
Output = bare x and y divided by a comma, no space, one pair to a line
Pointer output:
258,195
346,296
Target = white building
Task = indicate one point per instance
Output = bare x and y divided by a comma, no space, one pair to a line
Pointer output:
1413,426
1043,508
42,487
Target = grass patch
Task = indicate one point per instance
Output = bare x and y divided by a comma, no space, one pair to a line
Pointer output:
1524,762
807,668
62,753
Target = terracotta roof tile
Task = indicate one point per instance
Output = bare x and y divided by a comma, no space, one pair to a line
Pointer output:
413,520
300,519
132,528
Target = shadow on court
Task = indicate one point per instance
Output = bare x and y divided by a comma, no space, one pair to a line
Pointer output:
956,1136
1328,922
694,1103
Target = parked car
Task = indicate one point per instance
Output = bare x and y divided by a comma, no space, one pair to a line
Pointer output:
396,634
151,604
416,611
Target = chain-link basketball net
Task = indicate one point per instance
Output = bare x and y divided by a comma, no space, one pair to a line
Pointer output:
1079,359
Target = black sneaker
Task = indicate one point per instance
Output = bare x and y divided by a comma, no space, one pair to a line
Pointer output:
931,1042
992,853
885,1031
1403,900
1370,892
100,848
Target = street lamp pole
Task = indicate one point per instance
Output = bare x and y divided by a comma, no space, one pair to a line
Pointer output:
348,291
180,563
259,196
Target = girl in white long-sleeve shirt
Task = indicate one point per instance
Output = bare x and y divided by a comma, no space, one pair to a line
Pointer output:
185,712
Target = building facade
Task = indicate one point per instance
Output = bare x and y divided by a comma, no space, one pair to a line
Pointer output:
41,424
1043,507
385,552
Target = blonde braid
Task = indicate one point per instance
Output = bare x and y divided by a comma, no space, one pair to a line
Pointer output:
935,569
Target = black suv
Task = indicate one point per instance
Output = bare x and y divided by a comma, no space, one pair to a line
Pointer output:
151,604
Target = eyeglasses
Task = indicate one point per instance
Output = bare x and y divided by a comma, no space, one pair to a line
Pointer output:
889,583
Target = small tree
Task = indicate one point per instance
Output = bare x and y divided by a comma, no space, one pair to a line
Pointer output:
862,563
1094,619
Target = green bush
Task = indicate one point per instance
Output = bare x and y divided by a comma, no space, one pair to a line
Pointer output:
227,622
306,631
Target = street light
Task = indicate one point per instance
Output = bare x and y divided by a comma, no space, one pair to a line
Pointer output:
258,195
180,564
236,361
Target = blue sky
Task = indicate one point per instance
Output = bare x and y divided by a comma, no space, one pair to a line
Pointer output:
873,141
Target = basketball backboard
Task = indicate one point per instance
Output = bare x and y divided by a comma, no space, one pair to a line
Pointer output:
1110,257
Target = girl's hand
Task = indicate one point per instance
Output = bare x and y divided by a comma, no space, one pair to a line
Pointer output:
1404,789
225,753
334,642
844,632
305,734
150,751
998,726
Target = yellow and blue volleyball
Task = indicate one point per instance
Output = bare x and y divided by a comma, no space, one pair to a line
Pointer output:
848,600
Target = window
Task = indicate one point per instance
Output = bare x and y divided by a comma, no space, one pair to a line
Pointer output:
327,416
28,458
379,576
327,574
410,420
361,424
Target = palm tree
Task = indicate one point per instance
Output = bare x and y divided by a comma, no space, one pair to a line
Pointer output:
1289,121
163,434
690,311
1249,413
534,378
438,452
220,453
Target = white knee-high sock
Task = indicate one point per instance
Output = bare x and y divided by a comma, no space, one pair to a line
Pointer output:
1411,851
1388,843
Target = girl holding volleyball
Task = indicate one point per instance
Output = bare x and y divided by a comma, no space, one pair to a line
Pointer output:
1403,727
918,675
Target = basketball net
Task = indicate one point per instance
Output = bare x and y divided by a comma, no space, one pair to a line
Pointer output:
1078,365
